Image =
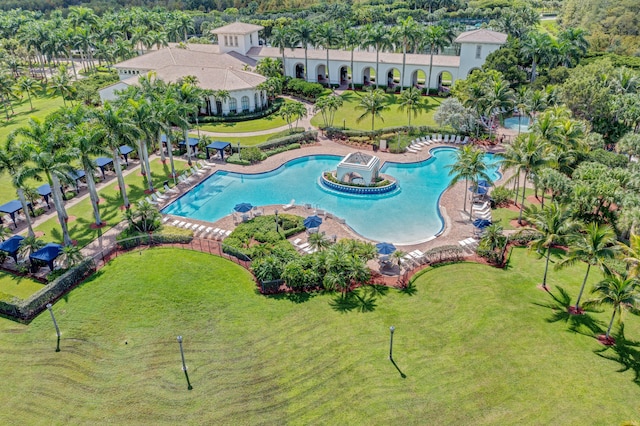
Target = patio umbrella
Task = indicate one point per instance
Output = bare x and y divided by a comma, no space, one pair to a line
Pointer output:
312,221
480,190
243,207
385,248
481,223
483,183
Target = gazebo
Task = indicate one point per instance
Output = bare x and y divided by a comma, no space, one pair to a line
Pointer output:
103,162
219,146
11,246
12,207
193,143
357,167
47,254
125,150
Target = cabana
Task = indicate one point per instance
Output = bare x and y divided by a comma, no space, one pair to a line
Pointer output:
12,246
47,254
12,207
219,146
76,176
103,162
45,191
193,143
125,150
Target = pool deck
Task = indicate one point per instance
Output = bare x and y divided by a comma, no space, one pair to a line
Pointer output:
457,224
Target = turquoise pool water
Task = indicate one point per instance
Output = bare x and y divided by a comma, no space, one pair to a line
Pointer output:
407,215
512,123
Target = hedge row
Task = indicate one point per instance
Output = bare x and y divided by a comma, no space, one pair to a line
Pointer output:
304,89
150,239
243,116
301,138
336,132
25,310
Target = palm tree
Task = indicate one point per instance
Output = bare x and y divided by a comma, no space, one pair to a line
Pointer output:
408,33
350,40
281,38
89,140
435,37
144,118
119,130
70,256
573,45
302,33
27,85
29,245
470,166
410,100
373,103
552,225
594,246
327,36
530,157
536,47
377,36
617,290
498,96
12,158
61,85
318,241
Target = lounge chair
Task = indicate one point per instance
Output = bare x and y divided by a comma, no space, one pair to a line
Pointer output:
446,139
296,242
434,138
465,140
290,205
302,246
414,151
458,140
175,222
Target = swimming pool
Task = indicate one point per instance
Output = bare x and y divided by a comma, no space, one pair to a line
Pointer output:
407,215
513,123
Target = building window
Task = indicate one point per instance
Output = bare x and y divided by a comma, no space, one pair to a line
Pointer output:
226,41
235,40
233,105
245,103
251,38
478,51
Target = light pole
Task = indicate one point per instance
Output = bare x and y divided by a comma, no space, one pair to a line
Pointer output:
55,324
276,221
391,330
184,365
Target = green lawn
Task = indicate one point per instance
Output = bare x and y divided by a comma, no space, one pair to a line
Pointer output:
15,286
266,123
43,106
477,345
79,229
392,117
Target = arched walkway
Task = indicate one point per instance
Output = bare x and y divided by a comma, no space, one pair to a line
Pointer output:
368,74
418,78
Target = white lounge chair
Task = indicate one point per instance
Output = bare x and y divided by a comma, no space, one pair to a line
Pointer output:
414,151
465,140
446,139
290,205
175,222
296,241
303,246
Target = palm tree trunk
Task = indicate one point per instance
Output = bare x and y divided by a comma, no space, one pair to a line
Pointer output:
430,69
60,210
162,156
170,151
186,142
328,73
615,308
147,165
516,188
93,194
404,61
25,209
584,281
377,62
522,203
466,188
546,267
121,184
353,76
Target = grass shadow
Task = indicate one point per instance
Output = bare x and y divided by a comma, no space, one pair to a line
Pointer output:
354,301
625,352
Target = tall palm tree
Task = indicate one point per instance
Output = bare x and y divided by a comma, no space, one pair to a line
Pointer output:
327,36
12,158
529,152
351,39
27,85
119,130
552,225
573,44
435,38
410,100
617,290
408,33
144,118
169,114
470,165
373,103
302,33
281,38
376,36
594,245
536,47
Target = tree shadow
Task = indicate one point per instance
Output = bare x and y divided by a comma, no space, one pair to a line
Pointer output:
625,352
354,301
300,297
409,289
576,323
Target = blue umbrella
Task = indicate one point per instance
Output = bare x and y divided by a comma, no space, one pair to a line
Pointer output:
312,221
481,223
243,207
483,183
480,190
385,248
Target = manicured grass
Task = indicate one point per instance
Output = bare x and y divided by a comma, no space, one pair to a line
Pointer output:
79,229
257,140
477,345
393,117
15,286
266,123
43,106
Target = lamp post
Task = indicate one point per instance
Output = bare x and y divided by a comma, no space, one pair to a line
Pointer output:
391,330
55,324
276,221
184,366
344,124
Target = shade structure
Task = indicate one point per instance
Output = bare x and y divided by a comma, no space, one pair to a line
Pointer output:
47,254
76,176
125,150
481,223
193,142
483,184
12,207
11,246
103,162
220,146
243,207
480,190
312,221
45,192
385,248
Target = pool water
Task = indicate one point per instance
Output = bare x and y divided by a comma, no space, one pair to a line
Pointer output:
512,123
408,215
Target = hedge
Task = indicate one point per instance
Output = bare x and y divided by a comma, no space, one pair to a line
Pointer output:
25,310
148,239
243,116
337,132
302,138
304,89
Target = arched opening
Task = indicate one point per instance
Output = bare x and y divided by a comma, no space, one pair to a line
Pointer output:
345,75
245,103
233,105
368,75
393,77
300,71
418,78
445,80
321,72
218,107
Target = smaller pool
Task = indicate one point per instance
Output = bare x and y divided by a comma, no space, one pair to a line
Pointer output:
513,123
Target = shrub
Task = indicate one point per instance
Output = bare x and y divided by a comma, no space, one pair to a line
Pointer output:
501,195
243,116
444,254
235,159
128,239
252,154
302,138
303,88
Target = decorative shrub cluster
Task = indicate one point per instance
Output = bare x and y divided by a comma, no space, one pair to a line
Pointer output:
303,89
243,116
